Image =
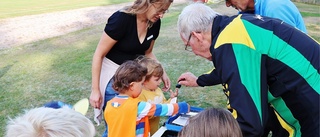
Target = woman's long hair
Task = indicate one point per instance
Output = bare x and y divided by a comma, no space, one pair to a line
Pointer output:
141,6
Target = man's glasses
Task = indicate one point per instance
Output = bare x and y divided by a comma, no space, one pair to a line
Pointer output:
188,47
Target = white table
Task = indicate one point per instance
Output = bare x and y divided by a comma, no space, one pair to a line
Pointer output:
159,132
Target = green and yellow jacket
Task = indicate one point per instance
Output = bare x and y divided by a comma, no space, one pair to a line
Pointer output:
263,61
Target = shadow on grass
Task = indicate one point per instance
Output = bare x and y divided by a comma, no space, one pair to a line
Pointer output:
4,70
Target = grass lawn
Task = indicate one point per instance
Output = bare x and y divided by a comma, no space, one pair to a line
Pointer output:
59,68
311,16
14,8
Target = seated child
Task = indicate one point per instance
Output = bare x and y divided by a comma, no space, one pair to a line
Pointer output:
214,122
126,115
150,91
50,122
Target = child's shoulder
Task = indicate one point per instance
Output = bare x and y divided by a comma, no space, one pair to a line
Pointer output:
157,92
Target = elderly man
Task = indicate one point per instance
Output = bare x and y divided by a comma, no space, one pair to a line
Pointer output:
252,55
284,10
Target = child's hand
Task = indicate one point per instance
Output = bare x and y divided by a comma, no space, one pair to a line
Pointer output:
174,94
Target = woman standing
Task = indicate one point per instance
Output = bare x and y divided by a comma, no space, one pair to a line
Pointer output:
130,32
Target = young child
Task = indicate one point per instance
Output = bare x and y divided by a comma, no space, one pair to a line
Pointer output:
126,115
214,122
50,122
150,91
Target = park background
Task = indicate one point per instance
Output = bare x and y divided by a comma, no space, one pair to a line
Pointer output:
59,67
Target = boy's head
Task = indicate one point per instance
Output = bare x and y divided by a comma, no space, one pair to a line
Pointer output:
155,72
129,77
153,66
50,122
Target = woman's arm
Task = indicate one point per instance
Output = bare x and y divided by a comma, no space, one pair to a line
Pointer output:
104,46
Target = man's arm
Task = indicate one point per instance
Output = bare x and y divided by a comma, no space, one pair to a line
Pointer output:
209,79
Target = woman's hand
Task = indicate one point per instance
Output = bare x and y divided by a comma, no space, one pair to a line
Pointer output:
95,99
166,82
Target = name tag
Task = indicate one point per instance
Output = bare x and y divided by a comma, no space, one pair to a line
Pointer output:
150,37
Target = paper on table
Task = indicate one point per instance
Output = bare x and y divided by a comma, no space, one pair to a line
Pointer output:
192,113
182,120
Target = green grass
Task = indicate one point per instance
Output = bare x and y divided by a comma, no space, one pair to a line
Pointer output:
308,14
59,68
308,10
14,8
53,69
311,16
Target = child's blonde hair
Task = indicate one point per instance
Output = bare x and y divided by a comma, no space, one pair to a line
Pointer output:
50,122
214,122
153,66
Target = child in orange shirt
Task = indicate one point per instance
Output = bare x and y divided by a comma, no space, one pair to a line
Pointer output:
126,115
150,91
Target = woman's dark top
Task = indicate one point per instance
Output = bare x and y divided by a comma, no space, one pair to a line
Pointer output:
122,27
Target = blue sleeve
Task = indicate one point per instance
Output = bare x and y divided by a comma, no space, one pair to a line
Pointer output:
284,10
183,107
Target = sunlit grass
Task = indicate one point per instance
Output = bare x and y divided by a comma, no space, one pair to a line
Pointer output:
59,68
308,14
14,8
308,9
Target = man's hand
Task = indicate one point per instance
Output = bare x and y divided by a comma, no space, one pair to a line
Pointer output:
188,79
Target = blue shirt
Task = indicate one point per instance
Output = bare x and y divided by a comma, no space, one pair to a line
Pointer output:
282,9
